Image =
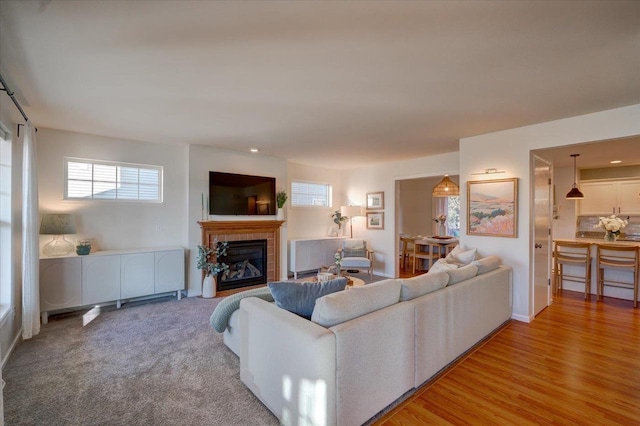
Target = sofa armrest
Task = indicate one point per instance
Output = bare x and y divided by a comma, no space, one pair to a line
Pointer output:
288,362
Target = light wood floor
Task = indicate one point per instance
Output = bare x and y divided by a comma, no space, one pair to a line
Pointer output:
577,363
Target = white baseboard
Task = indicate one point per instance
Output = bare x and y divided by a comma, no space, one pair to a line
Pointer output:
522,318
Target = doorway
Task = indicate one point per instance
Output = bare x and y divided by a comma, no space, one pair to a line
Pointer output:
542,196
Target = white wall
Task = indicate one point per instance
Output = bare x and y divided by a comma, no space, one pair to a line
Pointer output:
304,222
509,150
115,225
201,160
383,177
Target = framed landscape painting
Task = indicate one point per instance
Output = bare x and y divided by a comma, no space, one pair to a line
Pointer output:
375,220
375,200
492,207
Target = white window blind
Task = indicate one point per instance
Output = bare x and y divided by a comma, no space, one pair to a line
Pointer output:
310,194
106,180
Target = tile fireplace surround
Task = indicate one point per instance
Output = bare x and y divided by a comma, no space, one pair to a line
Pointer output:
247,230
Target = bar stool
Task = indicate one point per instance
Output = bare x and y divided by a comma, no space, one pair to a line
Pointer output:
575,254
618,258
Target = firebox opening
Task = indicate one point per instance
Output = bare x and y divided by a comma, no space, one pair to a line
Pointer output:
247,262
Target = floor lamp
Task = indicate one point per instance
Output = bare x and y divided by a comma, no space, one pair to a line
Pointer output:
351,212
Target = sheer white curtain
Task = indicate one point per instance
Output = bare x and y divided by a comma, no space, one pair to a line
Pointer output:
30,248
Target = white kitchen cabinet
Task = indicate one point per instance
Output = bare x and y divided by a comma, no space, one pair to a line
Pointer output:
60,283
136,275
100,279
109,276
629,197
169,271
610,197
307,254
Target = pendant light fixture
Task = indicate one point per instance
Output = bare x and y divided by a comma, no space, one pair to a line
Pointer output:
446,188
575,193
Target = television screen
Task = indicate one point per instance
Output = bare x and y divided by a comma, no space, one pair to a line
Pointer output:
233,194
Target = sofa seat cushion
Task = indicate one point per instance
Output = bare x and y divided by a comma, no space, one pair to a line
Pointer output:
356,262
300,298
220,317
422,284
487,264
346,305
461,274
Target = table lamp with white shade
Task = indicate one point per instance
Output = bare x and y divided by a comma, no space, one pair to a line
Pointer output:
58,225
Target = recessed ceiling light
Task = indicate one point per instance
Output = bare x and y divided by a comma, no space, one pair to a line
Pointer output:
254,150
615,161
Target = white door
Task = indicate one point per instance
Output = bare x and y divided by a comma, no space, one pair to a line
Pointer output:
542,234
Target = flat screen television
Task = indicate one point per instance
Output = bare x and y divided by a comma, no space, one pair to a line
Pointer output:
234,194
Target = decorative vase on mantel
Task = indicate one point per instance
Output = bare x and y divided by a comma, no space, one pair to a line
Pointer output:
610,237
208,287
280,214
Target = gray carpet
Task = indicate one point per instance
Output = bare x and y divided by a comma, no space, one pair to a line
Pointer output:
157,363
149,363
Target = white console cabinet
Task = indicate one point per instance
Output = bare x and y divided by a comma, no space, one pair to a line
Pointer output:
307,254
108,276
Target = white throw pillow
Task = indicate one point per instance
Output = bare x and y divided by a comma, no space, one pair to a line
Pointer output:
422,284
487,264
452,254
461,274
441,265
460,256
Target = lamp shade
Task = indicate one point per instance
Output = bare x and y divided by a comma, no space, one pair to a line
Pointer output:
351,211
57,224
575,194
446,188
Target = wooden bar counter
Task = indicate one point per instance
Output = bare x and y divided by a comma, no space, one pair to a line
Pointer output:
619,293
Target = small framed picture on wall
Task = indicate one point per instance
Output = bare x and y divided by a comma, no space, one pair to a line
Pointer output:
375,200
375,220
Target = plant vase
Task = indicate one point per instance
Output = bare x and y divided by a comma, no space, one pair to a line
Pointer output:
610,237
442,230
280,214
208,287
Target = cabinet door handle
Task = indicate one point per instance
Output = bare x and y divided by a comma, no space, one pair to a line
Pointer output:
614,210
618,210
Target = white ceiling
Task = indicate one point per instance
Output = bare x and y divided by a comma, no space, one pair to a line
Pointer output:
595,154
341,84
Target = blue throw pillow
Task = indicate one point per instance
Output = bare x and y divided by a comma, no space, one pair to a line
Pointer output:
300,298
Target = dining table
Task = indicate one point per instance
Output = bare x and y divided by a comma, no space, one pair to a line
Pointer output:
426,250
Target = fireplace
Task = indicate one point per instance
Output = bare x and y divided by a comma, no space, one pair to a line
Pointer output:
247,261
237,231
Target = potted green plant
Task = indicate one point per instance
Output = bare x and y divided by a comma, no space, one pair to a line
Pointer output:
211,268
338,219
281,198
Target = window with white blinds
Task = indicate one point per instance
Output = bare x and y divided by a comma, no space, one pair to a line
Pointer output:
107,180
310,194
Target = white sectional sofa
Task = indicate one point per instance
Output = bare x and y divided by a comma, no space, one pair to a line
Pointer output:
368,345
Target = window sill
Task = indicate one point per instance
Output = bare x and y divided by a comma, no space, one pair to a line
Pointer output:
5,311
